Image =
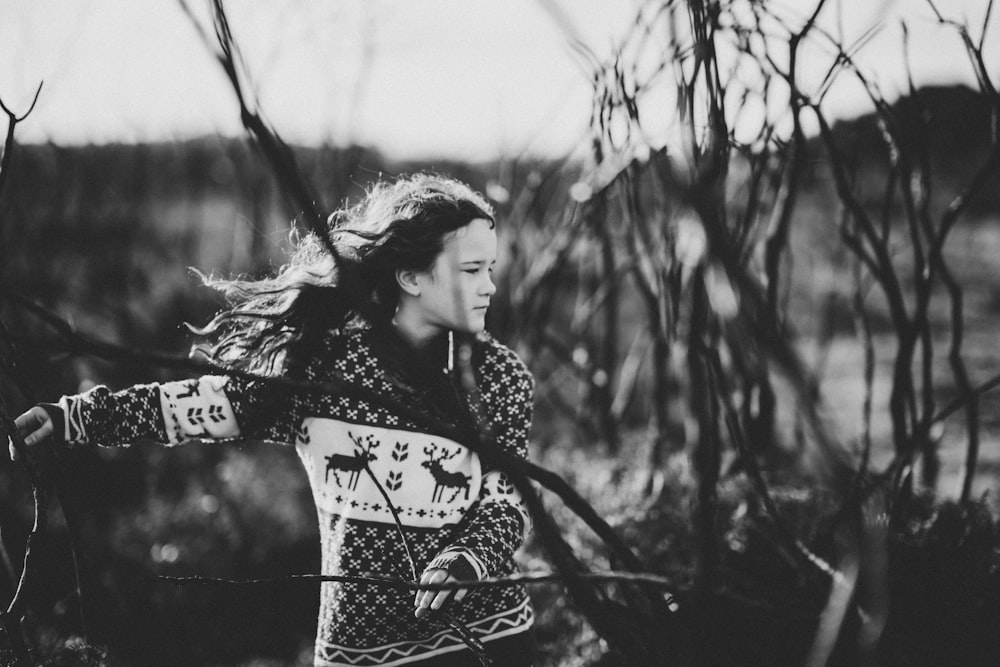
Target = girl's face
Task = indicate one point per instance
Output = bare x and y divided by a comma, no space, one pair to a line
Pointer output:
455,292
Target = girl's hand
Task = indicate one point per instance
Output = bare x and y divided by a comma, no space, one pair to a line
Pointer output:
35,426
432,600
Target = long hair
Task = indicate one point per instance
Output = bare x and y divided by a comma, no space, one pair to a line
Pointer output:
274,325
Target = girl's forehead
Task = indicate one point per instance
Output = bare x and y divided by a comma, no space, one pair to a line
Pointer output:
477,241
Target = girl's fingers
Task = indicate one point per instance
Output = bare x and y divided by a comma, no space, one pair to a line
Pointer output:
34,426
441,598
423,598
427,600
31,419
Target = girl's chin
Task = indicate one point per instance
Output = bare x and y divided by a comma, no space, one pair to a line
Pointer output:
474,324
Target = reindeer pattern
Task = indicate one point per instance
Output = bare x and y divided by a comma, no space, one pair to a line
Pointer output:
352,464
354,467
442,478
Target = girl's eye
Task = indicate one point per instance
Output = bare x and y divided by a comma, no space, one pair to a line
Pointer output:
475,270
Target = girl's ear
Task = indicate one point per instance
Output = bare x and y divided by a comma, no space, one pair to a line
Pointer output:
407,281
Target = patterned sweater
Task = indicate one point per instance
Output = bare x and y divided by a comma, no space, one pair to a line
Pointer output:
450,504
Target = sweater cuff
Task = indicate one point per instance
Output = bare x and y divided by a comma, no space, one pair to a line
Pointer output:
461,564
72,430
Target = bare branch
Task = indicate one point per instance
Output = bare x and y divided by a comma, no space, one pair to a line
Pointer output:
652,581
275,151
986,23
956,404
865,334
12,120
961,202
880,260
11,618
962,381
975,52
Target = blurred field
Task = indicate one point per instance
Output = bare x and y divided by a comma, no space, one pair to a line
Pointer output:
104,236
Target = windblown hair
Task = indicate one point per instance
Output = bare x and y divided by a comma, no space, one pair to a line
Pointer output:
274,325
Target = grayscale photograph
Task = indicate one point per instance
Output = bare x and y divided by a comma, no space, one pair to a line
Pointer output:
469,333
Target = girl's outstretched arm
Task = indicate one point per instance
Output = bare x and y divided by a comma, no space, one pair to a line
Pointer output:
205,408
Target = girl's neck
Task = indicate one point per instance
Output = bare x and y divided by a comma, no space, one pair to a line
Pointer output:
433,352
417,334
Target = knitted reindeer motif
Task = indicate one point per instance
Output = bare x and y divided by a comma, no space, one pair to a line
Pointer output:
352,464
442,478
191,388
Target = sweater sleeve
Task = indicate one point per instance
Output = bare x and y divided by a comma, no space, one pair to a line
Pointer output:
206,408
499,522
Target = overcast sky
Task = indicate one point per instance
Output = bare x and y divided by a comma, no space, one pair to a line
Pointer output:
473,79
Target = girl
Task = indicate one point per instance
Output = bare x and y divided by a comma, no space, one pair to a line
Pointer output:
389,320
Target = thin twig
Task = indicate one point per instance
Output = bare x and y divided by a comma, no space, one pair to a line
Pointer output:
957,403
652,581
12,120
865,334
11,618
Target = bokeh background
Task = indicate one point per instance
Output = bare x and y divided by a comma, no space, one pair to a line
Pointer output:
133,168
